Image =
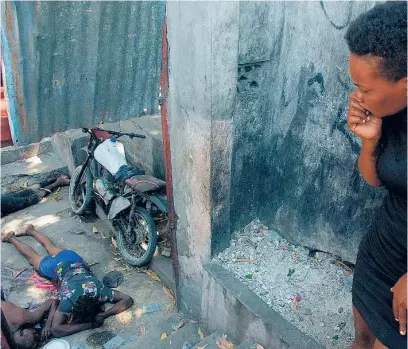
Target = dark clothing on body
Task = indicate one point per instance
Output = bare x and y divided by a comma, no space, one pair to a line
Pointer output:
14,202
382,255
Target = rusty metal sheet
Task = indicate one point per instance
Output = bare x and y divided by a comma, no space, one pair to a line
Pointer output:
73,64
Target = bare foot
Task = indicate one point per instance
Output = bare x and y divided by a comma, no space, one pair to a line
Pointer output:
53,177
24,230
7,235
27,228
62,181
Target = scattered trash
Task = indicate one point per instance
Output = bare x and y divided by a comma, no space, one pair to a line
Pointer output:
291,271
314,280
114,343
341,310
163,336
169,293
345,266
223,343
187,345
94,229
142,330
77,232
349,282
258,346
151,308
21,271
152,274
124,268
201,333
342,325
245,260
273,236
294,305
166,252
336,337
113,279
264,230
139,313
55,197
205,346
114,244
178,326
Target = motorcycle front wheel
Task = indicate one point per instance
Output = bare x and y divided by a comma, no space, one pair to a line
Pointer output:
138,245
80,195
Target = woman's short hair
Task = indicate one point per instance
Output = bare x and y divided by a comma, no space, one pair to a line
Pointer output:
382,32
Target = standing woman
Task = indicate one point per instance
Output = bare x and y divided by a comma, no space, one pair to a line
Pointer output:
377,113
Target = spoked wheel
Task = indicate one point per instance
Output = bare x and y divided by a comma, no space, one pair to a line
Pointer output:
137,242
80,195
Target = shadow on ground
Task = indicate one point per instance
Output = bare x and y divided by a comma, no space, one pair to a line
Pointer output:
53,218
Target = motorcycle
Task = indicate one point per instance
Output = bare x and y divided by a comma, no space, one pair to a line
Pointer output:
129,198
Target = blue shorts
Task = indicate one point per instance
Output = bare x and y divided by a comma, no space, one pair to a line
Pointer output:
48,265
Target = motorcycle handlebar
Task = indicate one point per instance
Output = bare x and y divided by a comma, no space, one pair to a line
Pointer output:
115,133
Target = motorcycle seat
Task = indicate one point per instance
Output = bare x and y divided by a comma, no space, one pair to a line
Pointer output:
145,183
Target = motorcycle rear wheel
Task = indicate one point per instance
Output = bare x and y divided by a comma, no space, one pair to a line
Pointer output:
80,196
140,253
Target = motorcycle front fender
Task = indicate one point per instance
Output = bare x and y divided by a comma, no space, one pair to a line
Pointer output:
118,205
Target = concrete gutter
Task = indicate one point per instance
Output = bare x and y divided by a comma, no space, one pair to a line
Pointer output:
230,306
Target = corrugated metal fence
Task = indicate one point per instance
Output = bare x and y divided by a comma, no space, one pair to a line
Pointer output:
73,64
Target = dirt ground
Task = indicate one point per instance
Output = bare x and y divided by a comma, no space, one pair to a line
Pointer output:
54,218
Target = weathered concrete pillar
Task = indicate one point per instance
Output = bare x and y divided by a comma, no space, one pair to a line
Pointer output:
203,56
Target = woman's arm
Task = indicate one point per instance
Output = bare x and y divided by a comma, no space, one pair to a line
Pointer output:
367,162
60,328
46,331
122,302
368,127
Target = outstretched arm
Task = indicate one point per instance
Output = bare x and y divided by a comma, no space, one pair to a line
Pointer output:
46,331
122,302
60,328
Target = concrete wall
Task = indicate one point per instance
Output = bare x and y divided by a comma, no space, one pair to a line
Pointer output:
257,105
143,153
229,306
293,158
203,51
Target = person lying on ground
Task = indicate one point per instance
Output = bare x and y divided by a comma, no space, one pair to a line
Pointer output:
13,202
21,323
82,295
